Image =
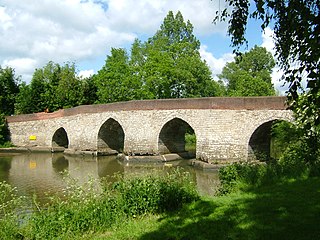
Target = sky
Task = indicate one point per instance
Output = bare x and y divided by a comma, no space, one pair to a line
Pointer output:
84,31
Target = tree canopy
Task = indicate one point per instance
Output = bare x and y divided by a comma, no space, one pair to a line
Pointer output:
249,74
167,65
296,25
9,87
53,87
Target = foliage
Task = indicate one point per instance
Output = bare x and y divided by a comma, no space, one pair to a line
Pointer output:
191,142
2,130
250,74
8,89
96,207
155,194
296,35
89,91
283,135
292,165
9,201
4,133
167,65
114,81
54,87
173,66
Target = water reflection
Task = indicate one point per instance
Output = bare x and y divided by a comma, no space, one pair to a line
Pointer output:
43,172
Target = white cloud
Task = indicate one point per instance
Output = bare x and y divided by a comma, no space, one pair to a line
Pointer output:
145,16
86,73
22,65
267,40
216,64
80,30
277,73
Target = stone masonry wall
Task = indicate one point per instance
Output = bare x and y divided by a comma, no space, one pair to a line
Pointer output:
222,134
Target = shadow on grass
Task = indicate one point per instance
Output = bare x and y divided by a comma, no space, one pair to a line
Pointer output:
289,210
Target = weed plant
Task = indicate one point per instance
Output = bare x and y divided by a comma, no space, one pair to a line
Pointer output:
9,201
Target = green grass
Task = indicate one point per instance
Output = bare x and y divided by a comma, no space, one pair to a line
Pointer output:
288,210
190,140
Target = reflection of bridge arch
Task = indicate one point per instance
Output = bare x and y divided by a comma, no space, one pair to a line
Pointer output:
111,136
60,138
172,136
259,143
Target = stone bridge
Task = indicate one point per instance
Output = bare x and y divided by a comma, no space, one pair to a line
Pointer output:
226,129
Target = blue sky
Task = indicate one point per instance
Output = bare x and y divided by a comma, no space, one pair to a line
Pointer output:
84,31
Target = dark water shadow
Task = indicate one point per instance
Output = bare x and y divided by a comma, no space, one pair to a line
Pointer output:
5,166
59,163
289,210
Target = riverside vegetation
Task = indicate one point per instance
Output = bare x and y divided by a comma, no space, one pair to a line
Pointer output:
278,199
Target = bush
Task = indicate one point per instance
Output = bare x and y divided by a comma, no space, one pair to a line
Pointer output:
4,133
155,194
292,165
87,209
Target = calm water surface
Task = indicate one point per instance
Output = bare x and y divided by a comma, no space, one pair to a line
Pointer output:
43,174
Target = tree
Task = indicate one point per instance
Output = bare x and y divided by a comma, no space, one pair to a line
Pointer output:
24,100
296,35
9,87
52,87
114,82
89,91
69,91
173,67
167,65
250,74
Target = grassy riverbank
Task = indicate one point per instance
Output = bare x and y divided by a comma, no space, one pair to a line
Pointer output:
288,210
167,207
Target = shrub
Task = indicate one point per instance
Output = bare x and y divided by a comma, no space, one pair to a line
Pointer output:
86,208
154,194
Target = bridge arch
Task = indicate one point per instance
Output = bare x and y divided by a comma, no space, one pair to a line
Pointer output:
111,136
259,143
60,138
172,137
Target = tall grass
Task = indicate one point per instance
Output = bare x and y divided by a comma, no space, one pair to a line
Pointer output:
88,208
290,166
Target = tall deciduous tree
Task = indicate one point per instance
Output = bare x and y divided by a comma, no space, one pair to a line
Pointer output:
52,87
173,66
114,81
250,74
297,39
167,65
8,89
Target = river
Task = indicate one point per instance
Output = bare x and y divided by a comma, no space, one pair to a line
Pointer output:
44,174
